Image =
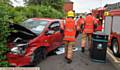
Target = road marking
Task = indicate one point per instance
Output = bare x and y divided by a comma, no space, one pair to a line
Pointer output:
112,56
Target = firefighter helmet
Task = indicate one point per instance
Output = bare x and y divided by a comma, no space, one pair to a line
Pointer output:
70,14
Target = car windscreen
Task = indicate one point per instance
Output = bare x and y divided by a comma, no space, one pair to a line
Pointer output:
35,26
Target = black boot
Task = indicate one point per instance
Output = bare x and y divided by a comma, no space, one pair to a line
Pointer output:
83,50
69,61
66,58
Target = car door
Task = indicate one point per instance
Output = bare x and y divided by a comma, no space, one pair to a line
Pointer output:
57,36
49,35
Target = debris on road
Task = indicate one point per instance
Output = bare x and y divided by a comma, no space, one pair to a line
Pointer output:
61,50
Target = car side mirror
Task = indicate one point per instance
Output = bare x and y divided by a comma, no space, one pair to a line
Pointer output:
49,32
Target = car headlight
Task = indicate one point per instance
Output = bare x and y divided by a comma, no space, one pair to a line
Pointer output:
19,49
15,50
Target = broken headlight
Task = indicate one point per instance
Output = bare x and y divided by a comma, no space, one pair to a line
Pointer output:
19,49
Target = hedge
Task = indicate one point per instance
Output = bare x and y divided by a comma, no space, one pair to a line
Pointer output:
4,32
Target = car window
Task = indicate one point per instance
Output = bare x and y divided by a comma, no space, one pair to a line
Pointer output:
36,26
34,23
55,26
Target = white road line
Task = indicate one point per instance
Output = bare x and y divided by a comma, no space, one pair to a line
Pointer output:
112,56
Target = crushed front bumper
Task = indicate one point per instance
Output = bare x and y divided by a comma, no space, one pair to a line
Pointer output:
18,60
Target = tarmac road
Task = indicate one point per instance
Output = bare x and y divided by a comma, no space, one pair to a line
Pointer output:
81,61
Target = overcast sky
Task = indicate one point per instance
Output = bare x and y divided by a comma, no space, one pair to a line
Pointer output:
17,2
87,5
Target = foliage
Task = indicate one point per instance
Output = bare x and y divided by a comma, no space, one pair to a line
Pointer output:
4,32
16,15
56,4
4,64
44,11
20,14
4,1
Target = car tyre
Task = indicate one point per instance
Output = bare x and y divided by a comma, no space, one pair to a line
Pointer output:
38,55
43,53
115,48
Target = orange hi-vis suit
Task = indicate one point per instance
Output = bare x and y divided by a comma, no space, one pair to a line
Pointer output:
88,30
69,37
70,30
89,24
79,23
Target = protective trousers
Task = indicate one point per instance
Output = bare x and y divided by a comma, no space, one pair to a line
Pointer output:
69,50
84,39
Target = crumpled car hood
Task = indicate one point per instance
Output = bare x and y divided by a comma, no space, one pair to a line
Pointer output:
21,28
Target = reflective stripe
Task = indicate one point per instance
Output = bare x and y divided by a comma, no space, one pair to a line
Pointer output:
69,37
89,24
89,28
70,30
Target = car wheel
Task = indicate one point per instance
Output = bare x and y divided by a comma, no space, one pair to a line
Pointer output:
43,53
115,48
38,55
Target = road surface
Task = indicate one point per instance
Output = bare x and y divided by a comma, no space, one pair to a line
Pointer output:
81,61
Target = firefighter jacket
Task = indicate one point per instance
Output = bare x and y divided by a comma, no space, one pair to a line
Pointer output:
89,24
69,30
99,25
80,24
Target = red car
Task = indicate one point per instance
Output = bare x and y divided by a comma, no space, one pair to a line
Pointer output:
32,40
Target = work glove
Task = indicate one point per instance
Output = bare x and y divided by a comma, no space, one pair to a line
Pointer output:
82,27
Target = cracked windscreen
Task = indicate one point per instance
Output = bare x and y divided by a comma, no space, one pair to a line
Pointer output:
35,26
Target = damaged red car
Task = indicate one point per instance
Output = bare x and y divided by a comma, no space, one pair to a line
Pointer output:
32,40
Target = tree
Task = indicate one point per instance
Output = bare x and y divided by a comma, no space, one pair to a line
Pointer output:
57,4
4,1
33,1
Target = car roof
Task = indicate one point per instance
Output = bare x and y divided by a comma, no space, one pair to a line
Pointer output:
47,19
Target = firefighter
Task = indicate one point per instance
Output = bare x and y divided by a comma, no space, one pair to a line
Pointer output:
69,36
80,25
88,30
99,24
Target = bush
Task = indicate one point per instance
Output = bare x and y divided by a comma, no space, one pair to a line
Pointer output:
4,32
20,14
42,11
